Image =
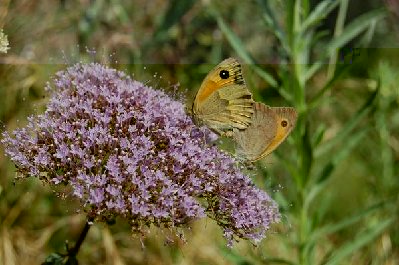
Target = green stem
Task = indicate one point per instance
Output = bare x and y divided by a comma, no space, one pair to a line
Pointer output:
303,231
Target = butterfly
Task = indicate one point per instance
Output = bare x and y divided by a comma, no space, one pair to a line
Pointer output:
269,127
223,101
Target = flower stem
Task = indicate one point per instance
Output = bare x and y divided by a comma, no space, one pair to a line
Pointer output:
74,251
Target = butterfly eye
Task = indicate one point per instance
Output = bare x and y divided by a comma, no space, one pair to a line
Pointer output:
284,123
224,74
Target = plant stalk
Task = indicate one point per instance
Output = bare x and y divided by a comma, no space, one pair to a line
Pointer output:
74,251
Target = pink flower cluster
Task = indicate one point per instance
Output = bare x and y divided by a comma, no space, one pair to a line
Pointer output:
128,150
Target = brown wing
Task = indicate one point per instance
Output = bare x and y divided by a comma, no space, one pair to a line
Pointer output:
269,128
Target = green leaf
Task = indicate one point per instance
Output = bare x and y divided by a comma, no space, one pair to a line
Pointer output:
326,172
312,70
297,12
54,259
238,46
292,168
277,261
361,240
306,156
351,220
333,228
282,202
318,135
338,74
271,22
233,257
340,155
320,12
352,30
385,149
176,10
343,135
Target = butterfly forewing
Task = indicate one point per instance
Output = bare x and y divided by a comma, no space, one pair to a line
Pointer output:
223,101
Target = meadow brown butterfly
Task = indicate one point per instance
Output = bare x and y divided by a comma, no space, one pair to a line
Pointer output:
268,129
223,102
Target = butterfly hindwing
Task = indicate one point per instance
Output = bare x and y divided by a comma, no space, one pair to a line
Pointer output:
270,126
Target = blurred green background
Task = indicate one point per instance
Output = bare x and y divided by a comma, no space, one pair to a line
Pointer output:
336,178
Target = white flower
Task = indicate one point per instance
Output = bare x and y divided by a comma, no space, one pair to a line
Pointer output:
3,42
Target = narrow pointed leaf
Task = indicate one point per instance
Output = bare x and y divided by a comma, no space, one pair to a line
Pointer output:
319,13
346,130
239,47
339,156
176,10
360,241
352,30
343,224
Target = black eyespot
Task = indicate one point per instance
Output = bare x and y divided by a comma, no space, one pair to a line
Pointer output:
284,123
224,74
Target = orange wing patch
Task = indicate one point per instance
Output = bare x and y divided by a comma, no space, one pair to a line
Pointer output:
208,88
281,134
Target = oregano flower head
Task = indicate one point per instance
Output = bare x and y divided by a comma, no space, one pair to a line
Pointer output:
126,149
